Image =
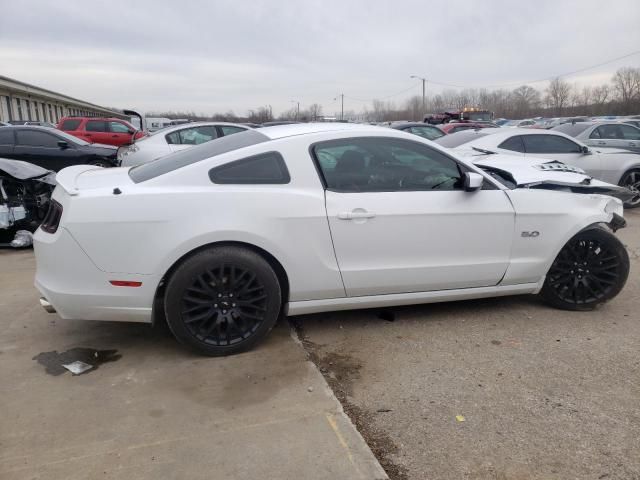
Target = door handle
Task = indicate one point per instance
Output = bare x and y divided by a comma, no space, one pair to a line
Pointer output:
632,144
602,143
356,214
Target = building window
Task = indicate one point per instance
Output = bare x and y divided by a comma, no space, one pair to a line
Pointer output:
19,105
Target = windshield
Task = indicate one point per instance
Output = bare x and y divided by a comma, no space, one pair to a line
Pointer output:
147,171
459,138
572,129
71,138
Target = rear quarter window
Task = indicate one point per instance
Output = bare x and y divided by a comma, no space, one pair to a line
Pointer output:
265,168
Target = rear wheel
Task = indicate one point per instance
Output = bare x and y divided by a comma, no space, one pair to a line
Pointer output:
590,269
222,300
631,180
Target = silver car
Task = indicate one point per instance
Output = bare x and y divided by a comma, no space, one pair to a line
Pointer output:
603,134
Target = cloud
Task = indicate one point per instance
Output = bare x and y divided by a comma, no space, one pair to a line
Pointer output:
219,56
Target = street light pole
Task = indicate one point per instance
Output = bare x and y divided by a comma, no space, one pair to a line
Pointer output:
424,91
341,105
297,108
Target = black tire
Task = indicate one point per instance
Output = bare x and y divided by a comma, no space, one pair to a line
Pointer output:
631,180
222,300
591,269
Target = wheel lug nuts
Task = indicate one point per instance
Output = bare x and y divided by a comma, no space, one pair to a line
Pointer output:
215,305
233,304
231,294
219,295
224,311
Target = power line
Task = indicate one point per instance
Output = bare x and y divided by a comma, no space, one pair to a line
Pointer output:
546,79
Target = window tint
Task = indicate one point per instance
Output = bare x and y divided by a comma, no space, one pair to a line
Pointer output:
514,144
96,126
385,164
69,125
192,136
549,144
177,160
456,139
266,168
117,127
595,133
34,138
430,133
630,133
6,136
230,130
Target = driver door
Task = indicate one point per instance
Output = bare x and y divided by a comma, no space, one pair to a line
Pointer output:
401,222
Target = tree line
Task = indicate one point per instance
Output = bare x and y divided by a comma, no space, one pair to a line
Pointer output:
620,96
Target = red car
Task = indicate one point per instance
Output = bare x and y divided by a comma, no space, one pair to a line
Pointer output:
458,127
108,131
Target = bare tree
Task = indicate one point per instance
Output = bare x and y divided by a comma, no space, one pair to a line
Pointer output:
315,112
558,94
525,98
626,83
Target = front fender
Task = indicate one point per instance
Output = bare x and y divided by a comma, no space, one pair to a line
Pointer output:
556,217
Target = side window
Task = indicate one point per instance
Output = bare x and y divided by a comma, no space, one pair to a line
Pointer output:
549,144
426,132
34,138
266,168
230,130
117,127
69,125
384,165
96,126
192,136
6,136
630,133
514,144
595,133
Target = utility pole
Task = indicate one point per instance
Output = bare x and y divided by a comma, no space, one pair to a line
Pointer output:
424,92
297,108
341,105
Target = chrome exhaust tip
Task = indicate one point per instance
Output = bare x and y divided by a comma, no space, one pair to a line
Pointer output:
46,305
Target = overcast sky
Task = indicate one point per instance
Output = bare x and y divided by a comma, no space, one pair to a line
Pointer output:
215,56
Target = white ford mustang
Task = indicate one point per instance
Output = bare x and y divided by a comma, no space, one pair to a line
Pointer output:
225,237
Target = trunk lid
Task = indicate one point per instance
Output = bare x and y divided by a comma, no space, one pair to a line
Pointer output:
89,177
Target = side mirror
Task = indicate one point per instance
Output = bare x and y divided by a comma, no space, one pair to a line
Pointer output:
472,181
585,150
63,145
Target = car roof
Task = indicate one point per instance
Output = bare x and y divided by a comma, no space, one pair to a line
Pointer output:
173,128
282,131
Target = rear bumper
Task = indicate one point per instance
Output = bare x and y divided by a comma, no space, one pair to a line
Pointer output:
76,289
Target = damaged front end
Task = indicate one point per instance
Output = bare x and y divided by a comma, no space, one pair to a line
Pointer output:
551,175
25,192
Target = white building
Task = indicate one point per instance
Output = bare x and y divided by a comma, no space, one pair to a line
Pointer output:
21,101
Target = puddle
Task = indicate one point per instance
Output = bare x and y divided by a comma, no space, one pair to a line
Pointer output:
53,361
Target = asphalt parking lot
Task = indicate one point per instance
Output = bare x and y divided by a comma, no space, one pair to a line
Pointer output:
543,393
493,389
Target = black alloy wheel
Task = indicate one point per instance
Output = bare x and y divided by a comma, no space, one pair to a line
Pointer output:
590,269
223,300
631,180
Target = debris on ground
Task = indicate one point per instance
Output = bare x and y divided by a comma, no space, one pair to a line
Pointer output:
23,239
460,418
58,363
78,367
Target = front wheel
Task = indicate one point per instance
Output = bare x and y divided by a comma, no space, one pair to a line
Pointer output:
589,270
631,180
222,300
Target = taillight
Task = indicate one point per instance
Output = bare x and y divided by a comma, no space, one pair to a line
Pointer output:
52,218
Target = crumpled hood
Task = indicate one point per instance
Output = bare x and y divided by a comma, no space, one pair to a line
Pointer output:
26,171
544,173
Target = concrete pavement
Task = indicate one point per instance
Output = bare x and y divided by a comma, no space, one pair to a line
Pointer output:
158,411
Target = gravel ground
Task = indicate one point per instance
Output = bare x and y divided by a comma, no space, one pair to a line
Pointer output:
499,389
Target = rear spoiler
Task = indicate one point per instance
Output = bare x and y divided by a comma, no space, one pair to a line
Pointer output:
67,177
